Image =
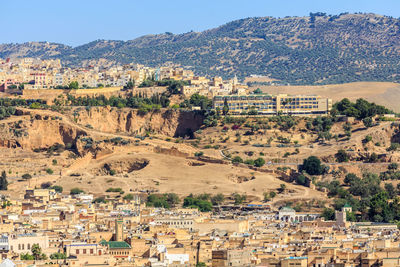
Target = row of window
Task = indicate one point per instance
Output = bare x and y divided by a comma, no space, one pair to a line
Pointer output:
264,98
21,247
119,253
91,251
273,107
179,223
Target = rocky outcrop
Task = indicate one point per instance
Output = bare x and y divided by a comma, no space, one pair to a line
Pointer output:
38,132
112,120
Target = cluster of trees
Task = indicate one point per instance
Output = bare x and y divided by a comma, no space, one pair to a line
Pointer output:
322,126
198,101
259,162
115,190
37,254
19,102
201,202
6,112
173,87
361,109
284,122
162,201
76,191
369,200
144,104
58,256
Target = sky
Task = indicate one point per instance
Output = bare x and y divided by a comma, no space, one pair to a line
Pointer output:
76,22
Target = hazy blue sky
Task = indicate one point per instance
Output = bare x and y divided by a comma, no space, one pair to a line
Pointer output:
76,22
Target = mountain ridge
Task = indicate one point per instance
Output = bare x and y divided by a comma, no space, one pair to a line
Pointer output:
318,49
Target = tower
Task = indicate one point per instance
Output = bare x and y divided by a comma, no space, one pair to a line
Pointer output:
235,80
119,229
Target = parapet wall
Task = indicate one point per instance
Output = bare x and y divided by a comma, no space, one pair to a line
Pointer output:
50,94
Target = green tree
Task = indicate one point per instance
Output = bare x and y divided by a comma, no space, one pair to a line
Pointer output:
73,85
312,165
342,156
128,197
282,188
259,162
373,157
57,188
76,191
257,91
217,199
58,256
351,217
26,257
225,109
328,214
130,84
368,139
390,190
36,251
237,159
367,122
197,202
239,199
379,210
301,179
393,166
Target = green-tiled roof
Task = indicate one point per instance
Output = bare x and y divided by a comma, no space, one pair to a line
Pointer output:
118,244
103,242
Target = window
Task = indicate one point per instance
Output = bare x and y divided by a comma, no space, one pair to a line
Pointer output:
77,252
29,246
84,251
91,251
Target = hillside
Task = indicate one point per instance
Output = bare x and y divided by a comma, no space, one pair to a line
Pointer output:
320,49
381,93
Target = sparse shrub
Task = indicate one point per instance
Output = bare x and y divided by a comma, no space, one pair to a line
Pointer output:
26,176
368,139
342,156
259,162
57,188
237,159
76,191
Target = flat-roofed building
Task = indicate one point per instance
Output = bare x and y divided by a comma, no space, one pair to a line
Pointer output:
275,104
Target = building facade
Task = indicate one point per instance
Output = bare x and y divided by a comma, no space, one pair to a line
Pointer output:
272,105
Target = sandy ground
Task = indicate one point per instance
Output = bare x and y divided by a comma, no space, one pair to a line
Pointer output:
383,93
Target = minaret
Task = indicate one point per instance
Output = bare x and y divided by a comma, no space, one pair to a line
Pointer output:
119,229
235,80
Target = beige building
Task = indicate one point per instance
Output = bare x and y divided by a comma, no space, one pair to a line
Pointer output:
24,242
272,105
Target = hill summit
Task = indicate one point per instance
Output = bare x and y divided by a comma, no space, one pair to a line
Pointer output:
317,49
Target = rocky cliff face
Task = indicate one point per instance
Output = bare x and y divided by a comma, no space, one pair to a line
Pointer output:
37,132
112,120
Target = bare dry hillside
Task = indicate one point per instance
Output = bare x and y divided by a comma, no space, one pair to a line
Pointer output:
382,93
